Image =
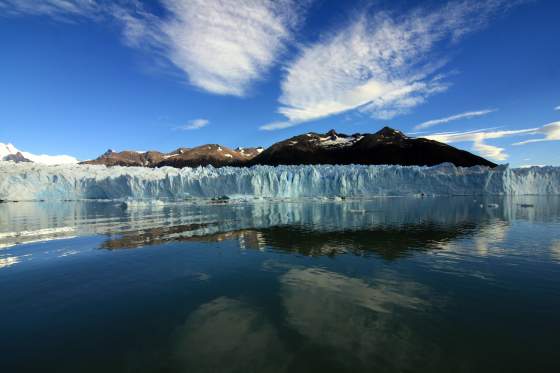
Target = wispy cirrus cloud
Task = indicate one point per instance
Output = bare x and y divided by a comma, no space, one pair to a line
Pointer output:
382,65
222,46
466,115
225,46
53,8
194,124
550,131
479,138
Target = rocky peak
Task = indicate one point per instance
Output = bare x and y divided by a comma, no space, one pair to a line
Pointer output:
18,157
332,134
388,132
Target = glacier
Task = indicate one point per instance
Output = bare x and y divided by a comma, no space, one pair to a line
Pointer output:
33,182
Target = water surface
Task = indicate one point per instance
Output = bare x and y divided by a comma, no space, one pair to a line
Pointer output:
389,285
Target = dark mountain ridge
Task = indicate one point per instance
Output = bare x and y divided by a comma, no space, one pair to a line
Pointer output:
387,146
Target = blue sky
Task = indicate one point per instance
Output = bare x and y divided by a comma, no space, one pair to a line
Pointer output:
81,76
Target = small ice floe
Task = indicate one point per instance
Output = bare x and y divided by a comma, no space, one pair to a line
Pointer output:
358,211
141,203
493,205
220,199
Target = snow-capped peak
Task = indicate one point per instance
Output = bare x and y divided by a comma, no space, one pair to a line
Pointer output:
333,139
9,149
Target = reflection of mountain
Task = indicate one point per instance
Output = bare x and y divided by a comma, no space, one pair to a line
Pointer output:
152,236
388,242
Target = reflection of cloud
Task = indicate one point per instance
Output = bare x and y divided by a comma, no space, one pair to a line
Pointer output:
8,261
356,291
227,335
489,235
357,320
555,250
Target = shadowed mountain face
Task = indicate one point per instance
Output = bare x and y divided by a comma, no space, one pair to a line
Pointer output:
18,157
387,146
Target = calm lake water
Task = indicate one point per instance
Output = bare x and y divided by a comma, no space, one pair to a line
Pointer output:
386,285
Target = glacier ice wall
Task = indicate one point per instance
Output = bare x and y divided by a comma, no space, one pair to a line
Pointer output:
24,181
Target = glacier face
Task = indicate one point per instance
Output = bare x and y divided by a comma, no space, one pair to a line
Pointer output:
26,182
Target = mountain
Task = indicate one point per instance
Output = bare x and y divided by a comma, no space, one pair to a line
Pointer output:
204,155
18,157
210,154
128,158
387,146
8,152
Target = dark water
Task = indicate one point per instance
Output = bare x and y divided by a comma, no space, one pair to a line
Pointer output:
388,285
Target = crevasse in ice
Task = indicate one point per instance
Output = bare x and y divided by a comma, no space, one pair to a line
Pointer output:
27,181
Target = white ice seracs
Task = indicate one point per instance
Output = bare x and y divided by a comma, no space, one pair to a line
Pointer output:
28,181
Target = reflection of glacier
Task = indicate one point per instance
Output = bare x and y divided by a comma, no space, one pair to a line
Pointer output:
35,182
390,226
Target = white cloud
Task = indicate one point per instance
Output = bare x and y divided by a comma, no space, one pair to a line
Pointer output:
382,65
557,108
52,8
479,137
531,165
195,124
277,126
466,115
223,46
550,131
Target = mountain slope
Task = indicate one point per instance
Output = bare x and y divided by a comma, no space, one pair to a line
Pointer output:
204,155
128,158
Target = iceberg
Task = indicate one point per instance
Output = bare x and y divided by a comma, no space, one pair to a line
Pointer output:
32,182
